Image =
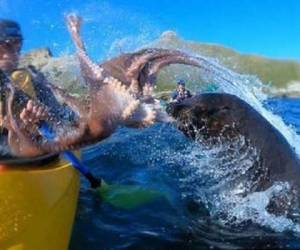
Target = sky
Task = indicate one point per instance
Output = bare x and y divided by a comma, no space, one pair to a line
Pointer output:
266,27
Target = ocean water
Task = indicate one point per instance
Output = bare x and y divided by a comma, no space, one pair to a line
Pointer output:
195,213
201,206
206,202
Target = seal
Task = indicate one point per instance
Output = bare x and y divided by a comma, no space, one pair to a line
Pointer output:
214,119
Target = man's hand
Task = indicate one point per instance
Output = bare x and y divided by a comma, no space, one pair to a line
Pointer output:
33,113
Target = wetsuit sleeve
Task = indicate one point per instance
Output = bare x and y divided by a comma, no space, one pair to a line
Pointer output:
45,95
189,94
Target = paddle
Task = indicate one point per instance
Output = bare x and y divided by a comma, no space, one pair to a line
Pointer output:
120,196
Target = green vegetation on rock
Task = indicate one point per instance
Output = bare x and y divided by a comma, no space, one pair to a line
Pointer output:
282,75
278,73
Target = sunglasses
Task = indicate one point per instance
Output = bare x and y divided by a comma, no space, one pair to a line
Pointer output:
13,45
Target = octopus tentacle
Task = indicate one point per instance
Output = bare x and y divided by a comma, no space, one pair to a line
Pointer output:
21,143
149,72
128,66
78,105
112,102
90,70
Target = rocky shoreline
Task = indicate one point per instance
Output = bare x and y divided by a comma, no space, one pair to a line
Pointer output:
64,72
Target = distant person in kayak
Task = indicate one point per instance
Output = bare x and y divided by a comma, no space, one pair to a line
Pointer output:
30,80
181,92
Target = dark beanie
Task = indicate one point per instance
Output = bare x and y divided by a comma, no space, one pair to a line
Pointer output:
10,30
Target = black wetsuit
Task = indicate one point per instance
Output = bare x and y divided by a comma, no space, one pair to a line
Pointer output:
45,96
43,93
181,96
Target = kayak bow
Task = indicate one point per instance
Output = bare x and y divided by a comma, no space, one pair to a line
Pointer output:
37,205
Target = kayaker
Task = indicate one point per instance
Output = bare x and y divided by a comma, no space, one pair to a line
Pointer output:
30,80
181,92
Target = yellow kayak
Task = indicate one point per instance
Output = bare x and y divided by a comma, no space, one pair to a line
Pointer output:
37,204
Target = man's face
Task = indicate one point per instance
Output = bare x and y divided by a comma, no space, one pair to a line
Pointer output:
181,88
9,54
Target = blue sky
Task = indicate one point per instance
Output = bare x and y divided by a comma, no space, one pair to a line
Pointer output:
265,27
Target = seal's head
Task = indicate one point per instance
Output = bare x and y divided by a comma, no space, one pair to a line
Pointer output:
208,115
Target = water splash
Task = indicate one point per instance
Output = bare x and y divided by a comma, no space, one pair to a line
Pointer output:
227,170
247,87
254,207
250,89
223,177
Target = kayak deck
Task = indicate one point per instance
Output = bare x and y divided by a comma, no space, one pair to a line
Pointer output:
37,205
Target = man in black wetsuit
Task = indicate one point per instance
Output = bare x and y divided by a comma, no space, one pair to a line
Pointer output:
29,80
181,92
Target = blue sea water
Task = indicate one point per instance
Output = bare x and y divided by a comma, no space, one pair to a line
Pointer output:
194,214
161,158
288,109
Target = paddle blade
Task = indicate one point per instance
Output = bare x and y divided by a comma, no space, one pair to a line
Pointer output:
127,196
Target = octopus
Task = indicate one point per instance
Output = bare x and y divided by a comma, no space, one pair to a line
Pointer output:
120,93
